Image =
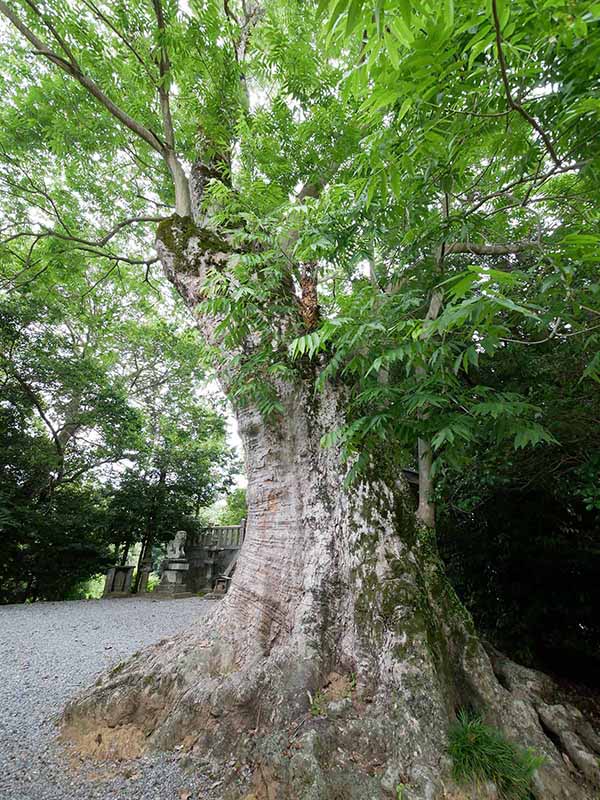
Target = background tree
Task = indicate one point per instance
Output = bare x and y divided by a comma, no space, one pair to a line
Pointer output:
98,394
236,507
519,530
181,468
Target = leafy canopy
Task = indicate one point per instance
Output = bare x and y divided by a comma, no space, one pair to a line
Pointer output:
431,168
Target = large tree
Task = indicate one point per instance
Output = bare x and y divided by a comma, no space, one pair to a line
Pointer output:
342,194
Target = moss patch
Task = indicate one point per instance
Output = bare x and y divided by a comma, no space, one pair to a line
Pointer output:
176,233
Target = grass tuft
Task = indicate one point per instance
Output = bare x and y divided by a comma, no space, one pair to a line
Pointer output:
480,754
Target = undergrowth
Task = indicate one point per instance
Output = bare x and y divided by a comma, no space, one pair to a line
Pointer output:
481,753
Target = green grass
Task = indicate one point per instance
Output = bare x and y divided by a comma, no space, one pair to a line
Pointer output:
480,753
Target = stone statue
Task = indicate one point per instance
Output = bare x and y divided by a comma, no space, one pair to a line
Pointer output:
173,580
175,548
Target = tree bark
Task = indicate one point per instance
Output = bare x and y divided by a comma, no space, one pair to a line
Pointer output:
340,655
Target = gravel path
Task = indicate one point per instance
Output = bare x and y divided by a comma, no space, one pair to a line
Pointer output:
48,651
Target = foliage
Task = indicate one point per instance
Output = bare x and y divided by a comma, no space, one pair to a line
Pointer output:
98,399
456,164
480,753
236,508
89,589
182,466
48,549
516,529
317,704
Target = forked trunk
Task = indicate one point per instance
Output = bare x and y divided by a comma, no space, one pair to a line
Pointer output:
340,655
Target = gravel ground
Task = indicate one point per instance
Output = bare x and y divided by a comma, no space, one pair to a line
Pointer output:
48,651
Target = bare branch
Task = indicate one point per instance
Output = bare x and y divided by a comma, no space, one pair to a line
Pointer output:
591,310
111,233
122,259
35,190
123,224
552,334
487,249
539,180
100,280
511,101
88,242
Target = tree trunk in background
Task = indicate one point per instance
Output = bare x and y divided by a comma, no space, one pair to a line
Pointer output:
144,565
340,655
125,553
140,581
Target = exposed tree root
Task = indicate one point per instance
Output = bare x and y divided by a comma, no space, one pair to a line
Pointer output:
316,735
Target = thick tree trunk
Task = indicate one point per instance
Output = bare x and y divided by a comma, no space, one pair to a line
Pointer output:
340,655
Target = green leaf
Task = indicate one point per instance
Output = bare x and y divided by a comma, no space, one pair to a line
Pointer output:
448,13
404,108
354,16
401,31
391,49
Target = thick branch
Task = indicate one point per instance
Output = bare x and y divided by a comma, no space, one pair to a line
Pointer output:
90,246
183,203
122,259
79,240
164,66
72,68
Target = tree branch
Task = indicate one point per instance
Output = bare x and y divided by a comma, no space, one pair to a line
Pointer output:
52,30
34,399
35,190
511,101
72,68
111,233
488,249
164,66
229,13
79,240
112,257
103,18
73,476
537,179
183,203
